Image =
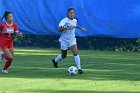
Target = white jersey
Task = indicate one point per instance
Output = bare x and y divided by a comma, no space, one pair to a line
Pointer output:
68,35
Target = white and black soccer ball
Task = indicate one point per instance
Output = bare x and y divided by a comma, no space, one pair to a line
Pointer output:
72,70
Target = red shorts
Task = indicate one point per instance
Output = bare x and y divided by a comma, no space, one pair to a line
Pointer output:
6,44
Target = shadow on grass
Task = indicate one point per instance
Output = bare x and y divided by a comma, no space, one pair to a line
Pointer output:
39,66
73,91
89,74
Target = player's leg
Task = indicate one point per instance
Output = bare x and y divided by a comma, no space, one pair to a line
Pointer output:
60,57
1,53
74,50
9,57
63,55
1,57
12,51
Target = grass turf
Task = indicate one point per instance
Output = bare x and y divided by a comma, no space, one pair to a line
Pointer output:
104,72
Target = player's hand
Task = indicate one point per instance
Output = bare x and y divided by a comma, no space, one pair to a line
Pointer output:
83,29
19,34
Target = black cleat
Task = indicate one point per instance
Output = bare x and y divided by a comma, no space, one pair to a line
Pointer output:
80,71
55,63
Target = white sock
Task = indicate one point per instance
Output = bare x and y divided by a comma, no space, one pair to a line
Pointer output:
77,61
59,58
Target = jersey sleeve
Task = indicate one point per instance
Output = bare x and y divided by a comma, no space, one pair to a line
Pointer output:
15,28
62,23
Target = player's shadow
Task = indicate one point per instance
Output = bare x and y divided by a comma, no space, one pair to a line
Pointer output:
89,74
72,91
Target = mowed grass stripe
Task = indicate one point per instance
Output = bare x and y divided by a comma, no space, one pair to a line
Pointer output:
105,72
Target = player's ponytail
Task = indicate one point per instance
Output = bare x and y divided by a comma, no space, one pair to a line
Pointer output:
5,15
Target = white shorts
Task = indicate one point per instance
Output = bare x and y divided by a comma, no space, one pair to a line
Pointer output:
66,45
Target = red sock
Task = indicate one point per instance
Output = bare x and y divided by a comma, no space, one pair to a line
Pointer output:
7,64
4,56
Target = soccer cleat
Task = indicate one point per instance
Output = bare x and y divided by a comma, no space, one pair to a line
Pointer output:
55,63
5,71
80,71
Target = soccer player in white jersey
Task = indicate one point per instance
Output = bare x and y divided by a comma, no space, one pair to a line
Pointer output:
67,40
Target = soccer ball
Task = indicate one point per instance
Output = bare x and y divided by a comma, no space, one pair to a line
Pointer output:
72,70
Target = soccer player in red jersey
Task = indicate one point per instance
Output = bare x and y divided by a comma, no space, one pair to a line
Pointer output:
7,29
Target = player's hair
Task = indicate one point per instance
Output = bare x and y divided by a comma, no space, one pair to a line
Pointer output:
6,14
69,11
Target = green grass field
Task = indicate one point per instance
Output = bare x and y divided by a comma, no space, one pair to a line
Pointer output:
104,72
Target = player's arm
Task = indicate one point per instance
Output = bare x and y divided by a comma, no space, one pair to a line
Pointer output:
79,27
61,29
61,26
18,34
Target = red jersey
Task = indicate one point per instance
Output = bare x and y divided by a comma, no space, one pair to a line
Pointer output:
6,31
6,35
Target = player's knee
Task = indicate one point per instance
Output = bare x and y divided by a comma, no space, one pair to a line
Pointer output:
10,58
64,56
13,55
